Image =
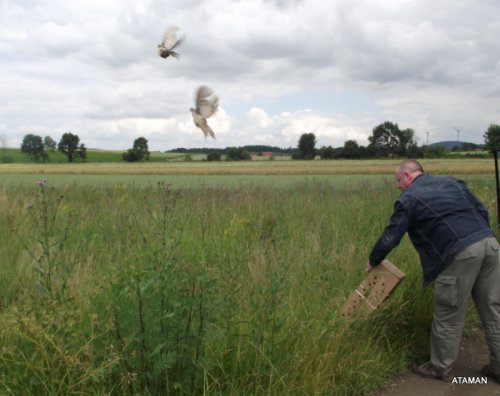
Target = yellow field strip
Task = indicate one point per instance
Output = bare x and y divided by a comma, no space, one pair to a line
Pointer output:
317,167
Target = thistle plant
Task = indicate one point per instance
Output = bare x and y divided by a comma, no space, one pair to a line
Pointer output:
46,247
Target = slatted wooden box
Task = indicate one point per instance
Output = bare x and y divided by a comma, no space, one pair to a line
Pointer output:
378,284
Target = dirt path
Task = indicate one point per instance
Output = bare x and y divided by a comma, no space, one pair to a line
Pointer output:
473,356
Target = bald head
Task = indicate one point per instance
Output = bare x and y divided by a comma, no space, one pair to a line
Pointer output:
406,172
411,166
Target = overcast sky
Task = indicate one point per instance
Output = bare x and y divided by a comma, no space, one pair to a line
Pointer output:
281,68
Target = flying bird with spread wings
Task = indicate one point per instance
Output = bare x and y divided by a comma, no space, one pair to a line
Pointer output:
169,42
206,104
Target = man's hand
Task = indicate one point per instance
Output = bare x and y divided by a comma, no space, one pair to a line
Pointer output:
369,267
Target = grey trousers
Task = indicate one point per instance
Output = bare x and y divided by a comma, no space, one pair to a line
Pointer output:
474,271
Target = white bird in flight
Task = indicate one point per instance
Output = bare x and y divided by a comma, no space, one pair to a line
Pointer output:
206,106
169,42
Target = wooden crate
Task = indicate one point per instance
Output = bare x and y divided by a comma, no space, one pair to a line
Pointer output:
378,284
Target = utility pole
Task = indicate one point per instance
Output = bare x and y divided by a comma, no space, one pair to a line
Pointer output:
458,129
427,132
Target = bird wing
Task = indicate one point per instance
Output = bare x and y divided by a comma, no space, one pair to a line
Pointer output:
202,93
179,41
170,39
205,105
207,108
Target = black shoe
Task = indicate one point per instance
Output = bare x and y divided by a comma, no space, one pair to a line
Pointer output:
427,370
489,372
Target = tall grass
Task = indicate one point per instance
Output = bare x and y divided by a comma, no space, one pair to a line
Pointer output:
213,290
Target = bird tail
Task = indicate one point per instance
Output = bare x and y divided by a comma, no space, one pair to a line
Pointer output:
207,131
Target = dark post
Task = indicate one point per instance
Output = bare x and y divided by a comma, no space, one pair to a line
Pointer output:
495,153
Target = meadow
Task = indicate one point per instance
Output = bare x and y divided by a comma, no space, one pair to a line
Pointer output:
14,155
221,282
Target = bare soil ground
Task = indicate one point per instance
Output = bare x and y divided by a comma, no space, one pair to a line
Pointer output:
473,356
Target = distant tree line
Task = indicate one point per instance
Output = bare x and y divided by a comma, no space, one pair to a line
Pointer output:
386,141
249,148
39,149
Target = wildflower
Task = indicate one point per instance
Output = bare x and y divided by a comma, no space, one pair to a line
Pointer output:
41,182
227,232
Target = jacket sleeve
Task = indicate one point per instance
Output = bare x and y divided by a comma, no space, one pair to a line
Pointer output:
392,234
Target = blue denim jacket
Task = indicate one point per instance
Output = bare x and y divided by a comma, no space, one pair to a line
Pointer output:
442,218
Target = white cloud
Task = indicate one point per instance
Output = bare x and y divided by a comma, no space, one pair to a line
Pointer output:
259,118
329,131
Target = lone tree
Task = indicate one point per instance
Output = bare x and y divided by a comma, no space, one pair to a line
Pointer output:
49,143
388,140
34,147
327,152
214,156
351,149
139,151
237,154
492,138
69,146
306,148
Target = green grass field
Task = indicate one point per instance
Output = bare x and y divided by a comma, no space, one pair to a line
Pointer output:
220,283
14,155
345,173
261,167
93,155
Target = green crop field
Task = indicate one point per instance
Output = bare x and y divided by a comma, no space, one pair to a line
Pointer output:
281,167
198,174
183,279
11,155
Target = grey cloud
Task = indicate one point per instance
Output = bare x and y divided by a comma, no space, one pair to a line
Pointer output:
73,61
431,46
